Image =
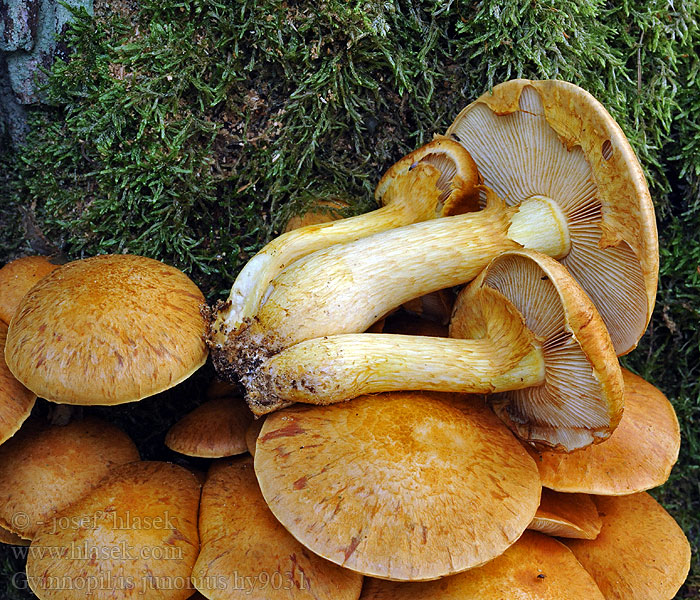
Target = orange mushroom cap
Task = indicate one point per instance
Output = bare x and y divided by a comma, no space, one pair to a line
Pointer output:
17,278
536,567
107,330
16,401
214,429
134,536
247,553
405,486
640,554
45,469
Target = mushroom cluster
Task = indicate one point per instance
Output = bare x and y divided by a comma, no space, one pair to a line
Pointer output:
434,406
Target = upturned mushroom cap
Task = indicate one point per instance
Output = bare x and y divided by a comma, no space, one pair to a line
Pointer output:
581,398
16,401
458,182
404,486
553,139
107,330
567,515
133,536
641,552
637,456
45,469
17,278
536,567
214,429
247,553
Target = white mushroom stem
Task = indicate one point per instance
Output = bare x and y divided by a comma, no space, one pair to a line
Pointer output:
342,367
346,288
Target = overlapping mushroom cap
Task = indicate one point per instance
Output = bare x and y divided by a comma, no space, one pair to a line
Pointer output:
553,140
17,278
107,330
247,553
405,486
640,554
536,567
637,456
16,401
214,429
45,469
133,536
567,515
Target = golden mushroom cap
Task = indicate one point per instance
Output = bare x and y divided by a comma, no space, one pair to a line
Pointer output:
405,486
133,536
107,330
536,567
567,515
637,456
215,429
640,554
17,278
45,469
247,553
16,401
553,138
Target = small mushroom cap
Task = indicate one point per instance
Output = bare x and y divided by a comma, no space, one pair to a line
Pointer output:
17,278
16,401
251,436
536,567
554,139
637,456
220,389
567,515
404,486
641,552
107,330
133,536
45,469
321,212
214,429
436,306
581,399
240,536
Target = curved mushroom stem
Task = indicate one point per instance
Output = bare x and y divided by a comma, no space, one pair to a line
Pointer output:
455,191
341,367
502,355
254,279
346,288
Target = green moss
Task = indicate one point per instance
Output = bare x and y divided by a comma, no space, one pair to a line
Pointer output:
192,130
